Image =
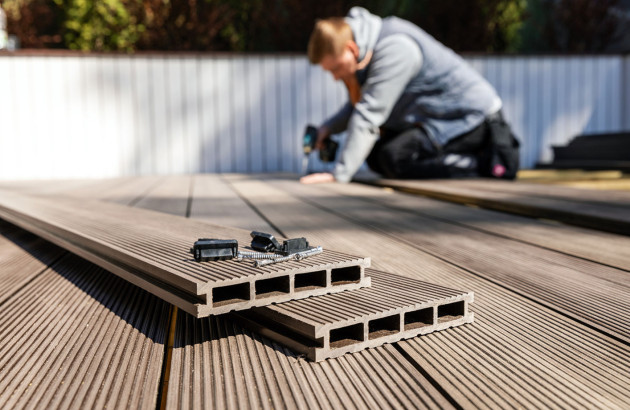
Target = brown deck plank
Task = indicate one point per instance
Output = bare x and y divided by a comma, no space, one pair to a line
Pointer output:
216,202
580,207
517,353
23,256
601,247
216,363
89,335
611,199
170,195
151,250
587,291
393,308
92,339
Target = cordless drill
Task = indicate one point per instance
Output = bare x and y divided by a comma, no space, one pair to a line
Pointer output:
327,153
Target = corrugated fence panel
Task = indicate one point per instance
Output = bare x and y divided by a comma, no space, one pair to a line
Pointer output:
101,116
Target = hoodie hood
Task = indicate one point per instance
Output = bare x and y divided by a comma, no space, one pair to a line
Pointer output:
366,27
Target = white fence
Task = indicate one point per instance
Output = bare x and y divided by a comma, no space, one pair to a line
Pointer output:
104,116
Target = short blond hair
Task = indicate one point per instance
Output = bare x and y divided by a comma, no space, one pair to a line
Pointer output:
329,37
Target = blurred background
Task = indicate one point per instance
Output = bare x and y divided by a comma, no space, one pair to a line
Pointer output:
128,87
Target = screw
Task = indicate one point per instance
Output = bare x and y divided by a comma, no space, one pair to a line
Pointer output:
255,255
296,256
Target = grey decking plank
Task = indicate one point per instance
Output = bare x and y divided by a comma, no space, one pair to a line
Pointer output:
216,363
169,195
23,256
92,340
151,250
606,198
521,354
601,247
393,308
216,202
584,290
591,213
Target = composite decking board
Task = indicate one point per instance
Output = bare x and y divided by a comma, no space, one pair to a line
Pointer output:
157,245
601,247
388,293
612,199
532,356
584,290
124,191
217,363
392,309
555,176
214,201
43,187
105,348
92,340
590,214
23,256
169,196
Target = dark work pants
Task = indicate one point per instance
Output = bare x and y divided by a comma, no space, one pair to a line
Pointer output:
412,154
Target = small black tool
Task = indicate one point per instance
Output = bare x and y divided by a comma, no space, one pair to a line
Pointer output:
264,242
326,154
205,250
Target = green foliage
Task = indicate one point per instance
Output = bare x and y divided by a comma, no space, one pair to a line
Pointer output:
506,23
101,25
284,25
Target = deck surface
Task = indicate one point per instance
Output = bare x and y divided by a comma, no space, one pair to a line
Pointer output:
551,304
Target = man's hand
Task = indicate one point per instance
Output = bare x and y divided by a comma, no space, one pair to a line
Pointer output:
319,178
322,134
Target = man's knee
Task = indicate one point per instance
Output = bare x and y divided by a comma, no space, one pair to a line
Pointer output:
392,156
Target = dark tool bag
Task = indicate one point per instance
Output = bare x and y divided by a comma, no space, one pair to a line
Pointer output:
499,158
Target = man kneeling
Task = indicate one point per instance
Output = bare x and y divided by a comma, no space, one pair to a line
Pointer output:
416,109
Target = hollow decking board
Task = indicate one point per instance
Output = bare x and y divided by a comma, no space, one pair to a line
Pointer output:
532,356
89,340
592,213
584,290
393,308
141,252
217,363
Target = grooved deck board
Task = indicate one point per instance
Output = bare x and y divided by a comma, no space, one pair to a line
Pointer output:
23,256
587,291
216,202
91,340
88,340
518,352
151,250
392,309
217,363
580,207
600,247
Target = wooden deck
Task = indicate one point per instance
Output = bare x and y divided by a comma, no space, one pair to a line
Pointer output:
552,304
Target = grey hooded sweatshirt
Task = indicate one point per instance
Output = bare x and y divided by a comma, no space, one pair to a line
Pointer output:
411,79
